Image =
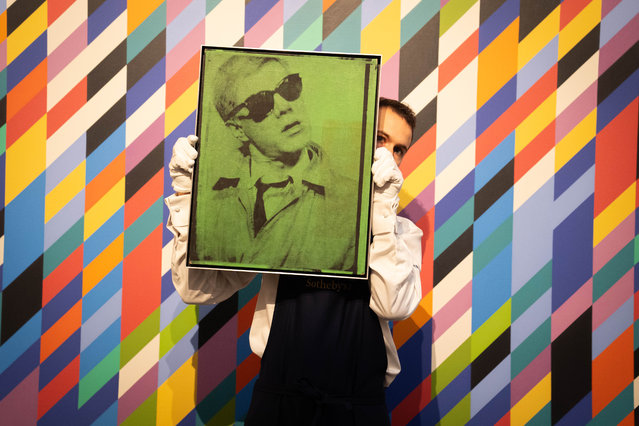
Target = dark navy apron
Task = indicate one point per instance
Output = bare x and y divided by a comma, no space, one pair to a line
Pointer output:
325,360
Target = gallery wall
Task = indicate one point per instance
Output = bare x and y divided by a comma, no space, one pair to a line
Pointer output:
523,178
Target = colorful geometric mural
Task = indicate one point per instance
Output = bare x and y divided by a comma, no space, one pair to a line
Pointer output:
523,177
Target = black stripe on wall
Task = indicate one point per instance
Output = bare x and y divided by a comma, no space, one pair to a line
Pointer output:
453,255
21,300
106,125
490,358
494,189
618,72
144,171
216,319
532,12
578,55
146,59
418,57
19,11
106,70
571,366
336,14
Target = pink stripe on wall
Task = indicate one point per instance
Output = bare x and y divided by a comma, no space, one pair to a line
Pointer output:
215,365
452,311
571,309
611,300
619,44
67,51
185,49
140,148
138,393
576,112
389,87
613,243
530,376
20,406
265,27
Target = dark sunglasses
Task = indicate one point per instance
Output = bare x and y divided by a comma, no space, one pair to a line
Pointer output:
261,104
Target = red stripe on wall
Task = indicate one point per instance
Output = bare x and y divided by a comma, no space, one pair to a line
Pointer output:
509,120
420,151
412,404
24,91
69,105
612,371
616,157
458,60
144,198
62,275
183,79
61,331
246,371
141,283
58,387
535,151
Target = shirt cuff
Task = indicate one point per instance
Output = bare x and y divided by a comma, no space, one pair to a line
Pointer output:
384,217
179,209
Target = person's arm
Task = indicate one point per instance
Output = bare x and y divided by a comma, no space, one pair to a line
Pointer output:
200,286
396,253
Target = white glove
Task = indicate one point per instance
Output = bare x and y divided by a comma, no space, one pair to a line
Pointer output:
388,181
181,164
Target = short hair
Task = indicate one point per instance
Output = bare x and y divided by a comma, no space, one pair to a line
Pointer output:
230,75
400,109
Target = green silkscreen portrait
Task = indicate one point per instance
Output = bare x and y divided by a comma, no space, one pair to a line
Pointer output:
282,181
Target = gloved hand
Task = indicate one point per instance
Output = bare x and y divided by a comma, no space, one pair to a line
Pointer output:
181,164
388,181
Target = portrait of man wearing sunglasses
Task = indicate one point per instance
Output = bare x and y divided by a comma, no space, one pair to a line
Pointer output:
276,206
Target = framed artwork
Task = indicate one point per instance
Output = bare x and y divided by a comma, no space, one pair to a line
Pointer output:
282,181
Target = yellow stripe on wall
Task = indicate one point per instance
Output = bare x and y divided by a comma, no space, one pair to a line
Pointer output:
535,123
531,403
64,192
538,38
497,63
177,395
382,34
104,263
575,140
183,106
26,159
579,27
138,11
101,211
27,33
614,214
417,180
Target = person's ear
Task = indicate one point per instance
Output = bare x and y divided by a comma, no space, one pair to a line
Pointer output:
237,131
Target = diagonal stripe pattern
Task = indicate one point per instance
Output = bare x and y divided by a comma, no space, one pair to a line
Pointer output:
523,176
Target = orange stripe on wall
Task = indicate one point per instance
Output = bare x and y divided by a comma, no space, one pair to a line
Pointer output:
144,198
420,150
3,26
62,275
22,121
67,106
458,60
616,157
509,120
570,9
57,8
60,331
58,387
183,79
612,371
141,282
535,151
24,91
104,181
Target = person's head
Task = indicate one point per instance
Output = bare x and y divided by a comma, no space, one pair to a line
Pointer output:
395,125
260,101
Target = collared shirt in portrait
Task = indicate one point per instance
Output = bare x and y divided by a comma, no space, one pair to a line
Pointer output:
299,226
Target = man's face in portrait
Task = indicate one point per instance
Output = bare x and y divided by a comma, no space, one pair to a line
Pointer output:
270,111
393,133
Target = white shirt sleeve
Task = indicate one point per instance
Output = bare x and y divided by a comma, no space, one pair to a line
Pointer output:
198,286
395,263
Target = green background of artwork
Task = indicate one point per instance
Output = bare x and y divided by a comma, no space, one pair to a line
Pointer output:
333,93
